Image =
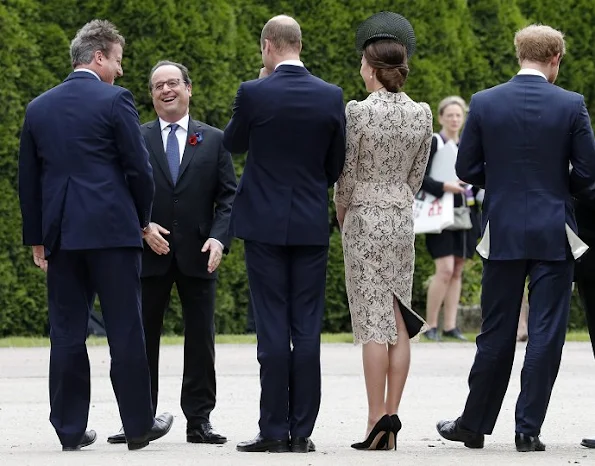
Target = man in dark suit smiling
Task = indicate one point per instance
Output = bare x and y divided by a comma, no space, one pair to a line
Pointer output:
194,188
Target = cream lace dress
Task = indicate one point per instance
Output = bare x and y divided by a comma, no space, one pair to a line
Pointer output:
388,145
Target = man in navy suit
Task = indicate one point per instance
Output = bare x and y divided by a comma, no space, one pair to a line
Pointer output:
293,126
518,142
86,192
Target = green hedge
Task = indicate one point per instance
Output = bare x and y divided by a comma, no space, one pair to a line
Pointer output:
463,46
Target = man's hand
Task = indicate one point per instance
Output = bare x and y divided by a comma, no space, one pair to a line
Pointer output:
453,187
216,252
263,73
39,257
152,235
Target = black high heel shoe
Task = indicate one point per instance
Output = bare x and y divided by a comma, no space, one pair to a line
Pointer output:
377,438
392,435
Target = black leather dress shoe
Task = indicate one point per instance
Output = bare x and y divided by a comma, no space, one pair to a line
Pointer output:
261,444
526,442
302,445
117,438
89,437
204,433
161,426
588,442
452,430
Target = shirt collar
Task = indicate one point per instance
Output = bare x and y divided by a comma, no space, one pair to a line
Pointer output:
183,122
531,71
290,62
87,70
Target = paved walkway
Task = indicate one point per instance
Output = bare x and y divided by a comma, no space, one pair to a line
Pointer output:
436,389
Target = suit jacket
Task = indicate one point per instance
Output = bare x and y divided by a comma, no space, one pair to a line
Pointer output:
85,181
198,207
293,126
518,142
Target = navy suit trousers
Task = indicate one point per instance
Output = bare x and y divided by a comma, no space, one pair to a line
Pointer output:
287,287
73,278
549,305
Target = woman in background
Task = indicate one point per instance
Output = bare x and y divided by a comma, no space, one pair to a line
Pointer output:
450,248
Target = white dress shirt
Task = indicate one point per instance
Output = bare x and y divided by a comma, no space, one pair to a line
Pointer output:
87,70
290,62
532,72
181,133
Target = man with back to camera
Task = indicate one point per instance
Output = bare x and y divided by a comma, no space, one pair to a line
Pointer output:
518,142
293,126
86,193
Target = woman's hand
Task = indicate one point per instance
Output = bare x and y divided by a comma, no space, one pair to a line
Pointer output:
341,210
453,187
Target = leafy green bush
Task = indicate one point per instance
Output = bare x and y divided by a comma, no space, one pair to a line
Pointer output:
463,46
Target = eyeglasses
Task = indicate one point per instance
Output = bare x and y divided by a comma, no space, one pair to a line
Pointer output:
171,83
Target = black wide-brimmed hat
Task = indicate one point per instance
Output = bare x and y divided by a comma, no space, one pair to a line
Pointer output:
386,25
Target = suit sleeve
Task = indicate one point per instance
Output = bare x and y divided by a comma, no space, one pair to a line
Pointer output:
418,169
346,182
30,170
134,155
429,184
470,165
582,157
236,135
226,190
335,159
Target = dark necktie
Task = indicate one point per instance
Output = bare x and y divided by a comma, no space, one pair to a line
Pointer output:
172,151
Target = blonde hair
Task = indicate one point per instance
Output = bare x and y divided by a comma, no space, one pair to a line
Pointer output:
452,100
539,43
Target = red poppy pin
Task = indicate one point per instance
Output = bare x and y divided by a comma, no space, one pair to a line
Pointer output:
195,138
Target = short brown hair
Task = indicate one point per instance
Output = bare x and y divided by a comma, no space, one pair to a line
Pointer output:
539,43
98,34
389,59
283,32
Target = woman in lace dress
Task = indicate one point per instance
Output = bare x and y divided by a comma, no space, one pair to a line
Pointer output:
388,144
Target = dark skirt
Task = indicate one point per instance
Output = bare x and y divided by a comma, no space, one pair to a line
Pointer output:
458,243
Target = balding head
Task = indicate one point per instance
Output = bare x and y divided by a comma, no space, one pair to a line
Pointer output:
284,34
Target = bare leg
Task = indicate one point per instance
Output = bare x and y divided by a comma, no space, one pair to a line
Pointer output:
375,358
399,358
453,295
438,287
521,333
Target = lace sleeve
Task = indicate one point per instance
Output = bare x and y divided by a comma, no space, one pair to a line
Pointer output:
346,182
416,175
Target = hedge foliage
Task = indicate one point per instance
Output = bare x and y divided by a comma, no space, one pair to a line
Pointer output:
463,46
